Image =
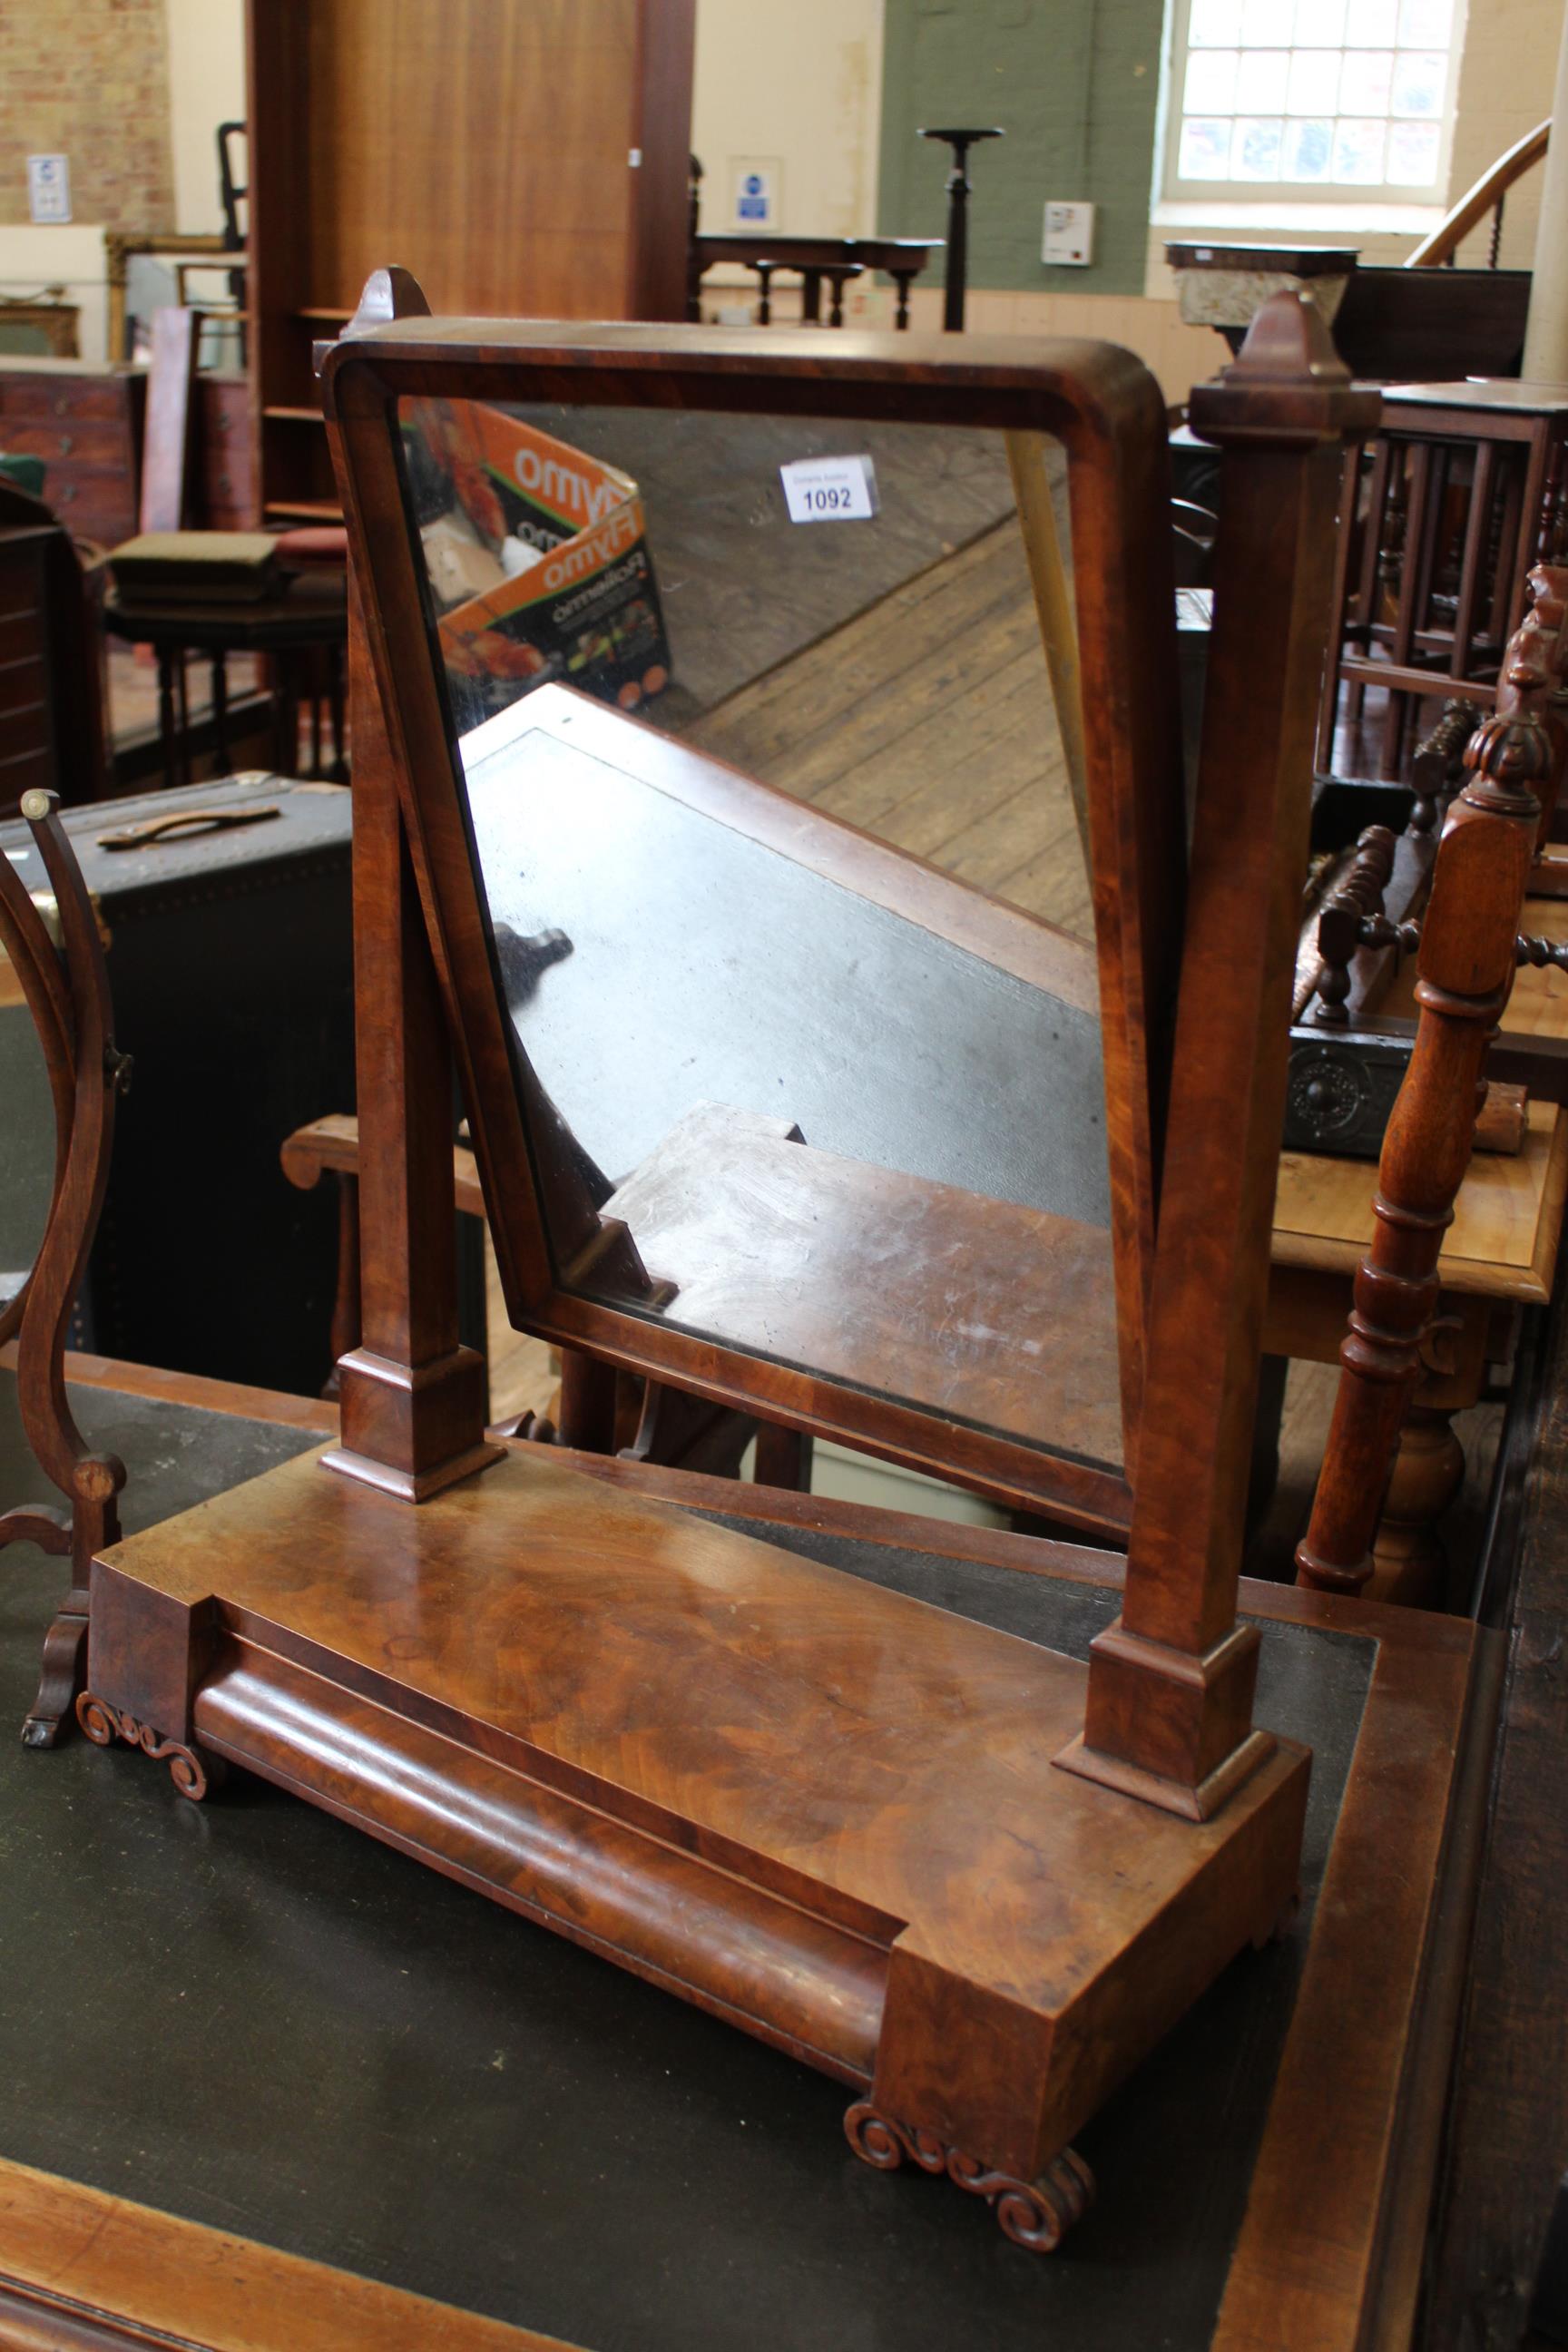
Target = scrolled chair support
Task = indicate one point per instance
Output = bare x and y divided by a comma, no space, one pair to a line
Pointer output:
1469,950
69,1003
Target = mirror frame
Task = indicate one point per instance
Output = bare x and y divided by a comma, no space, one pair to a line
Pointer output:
1108,413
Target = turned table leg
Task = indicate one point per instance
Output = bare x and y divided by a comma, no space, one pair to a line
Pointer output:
1408,1560
1466,965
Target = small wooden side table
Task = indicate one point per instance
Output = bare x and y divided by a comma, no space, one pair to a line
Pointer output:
304,627
1465,488
1501,1256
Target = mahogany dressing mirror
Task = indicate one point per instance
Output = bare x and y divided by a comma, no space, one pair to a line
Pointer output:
970,1877
787,1116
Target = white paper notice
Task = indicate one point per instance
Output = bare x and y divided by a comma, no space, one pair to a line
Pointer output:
830,490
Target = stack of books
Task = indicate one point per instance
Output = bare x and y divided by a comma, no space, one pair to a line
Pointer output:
196,567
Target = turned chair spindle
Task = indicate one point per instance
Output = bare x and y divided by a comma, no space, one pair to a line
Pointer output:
1471,947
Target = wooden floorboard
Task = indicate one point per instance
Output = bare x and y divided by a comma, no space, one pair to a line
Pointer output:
928,719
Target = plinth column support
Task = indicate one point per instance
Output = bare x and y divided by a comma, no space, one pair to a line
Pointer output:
1169,1710
411,1397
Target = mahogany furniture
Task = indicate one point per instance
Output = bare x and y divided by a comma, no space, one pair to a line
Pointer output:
1470,948
968,1878
1497,1270
814,258
1443,515
520,155
286,1996
297,632
1391,325
84,420
52,687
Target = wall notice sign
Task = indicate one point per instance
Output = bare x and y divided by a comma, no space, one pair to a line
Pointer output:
830,490
49,188
756,180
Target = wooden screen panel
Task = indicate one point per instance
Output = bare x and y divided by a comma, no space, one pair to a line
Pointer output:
483,143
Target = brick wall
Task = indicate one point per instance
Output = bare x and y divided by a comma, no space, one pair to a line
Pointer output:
89,80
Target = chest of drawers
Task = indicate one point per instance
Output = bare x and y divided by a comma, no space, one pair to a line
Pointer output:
83,419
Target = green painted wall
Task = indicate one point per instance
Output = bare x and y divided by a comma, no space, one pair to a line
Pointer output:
1074,83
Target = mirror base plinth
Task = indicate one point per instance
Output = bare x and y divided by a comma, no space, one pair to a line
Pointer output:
411,1431
1193,1801
818,1808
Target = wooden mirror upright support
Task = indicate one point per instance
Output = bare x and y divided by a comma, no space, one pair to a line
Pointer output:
1170,1685
822,1812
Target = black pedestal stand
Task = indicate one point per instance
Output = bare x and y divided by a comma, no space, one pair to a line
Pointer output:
961,141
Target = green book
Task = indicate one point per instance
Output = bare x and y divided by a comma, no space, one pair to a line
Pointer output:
197,567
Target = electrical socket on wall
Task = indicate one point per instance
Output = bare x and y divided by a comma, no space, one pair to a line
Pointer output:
49,188
1069,241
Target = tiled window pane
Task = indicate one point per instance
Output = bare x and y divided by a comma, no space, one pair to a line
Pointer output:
1367,81
1261,81
1358,153
1214,25
1204,152
1211,82
1265,24
1255,149
1419,76
1309,150
1413,154
1315,92
1314,82
1425,24
1320,24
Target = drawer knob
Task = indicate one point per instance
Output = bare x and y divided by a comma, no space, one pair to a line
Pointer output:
66,444
62,406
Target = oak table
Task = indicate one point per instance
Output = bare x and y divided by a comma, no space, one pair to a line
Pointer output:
1500,1257
304,2047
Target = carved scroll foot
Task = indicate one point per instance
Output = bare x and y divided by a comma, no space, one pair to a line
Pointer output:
191,1773
65,1656
1036,2214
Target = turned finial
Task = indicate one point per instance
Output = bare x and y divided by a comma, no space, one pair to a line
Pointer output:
1287,384
390,293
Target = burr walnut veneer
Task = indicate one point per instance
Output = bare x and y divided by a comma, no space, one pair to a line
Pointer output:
973,1879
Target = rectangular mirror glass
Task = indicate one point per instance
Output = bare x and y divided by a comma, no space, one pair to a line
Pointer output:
747,710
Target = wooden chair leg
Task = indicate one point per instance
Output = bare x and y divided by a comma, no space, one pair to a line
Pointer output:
1408,1560
1467,967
